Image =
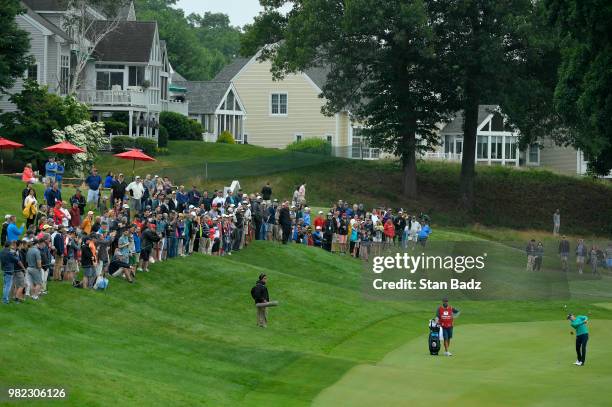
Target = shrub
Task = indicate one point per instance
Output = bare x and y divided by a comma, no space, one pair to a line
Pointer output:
162,138
115,127
226,137
179,127
196,129
314,145
122,143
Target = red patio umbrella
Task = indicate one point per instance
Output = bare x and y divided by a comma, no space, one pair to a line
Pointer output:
64,148
134,154
6,144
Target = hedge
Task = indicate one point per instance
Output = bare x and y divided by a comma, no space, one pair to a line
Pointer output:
226,137
122,143
162,138
314,145
179,127
115,127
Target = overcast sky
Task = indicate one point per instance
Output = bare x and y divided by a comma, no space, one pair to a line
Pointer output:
240,12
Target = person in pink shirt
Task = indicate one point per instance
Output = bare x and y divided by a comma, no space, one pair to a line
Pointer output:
28,174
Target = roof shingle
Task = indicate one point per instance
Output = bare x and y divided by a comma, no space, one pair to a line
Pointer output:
203,96
456,125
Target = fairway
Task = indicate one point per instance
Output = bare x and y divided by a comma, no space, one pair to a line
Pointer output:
521,363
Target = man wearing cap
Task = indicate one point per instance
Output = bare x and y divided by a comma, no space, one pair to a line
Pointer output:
93,181
446,315
260,295
194,196
579,323
136,191
34,267
50,170
52,194
58,240
181,198
79,199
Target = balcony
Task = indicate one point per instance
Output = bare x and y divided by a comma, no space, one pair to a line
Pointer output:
440,156
176,107
112,98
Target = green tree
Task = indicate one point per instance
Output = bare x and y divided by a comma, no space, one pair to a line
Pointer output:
583,94
38,114
180,127
198,46
482,46
14,45
382,67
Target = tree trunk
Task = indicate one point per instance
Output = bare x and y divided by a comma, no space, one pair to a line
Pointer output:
468,161
409,180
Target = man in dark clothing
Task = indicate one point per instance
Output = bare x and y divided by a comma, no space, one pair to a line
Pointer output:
399,224
149,239
10,262
194,197
260,295
5,226
118,187
79,199
206,201
284,220
266,192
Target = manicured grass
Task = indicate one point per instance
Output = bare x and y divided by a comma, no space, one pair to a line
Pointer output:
185,334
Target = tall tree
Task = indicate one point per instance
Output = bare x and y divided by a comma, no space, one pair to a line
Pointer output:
381,63
87,31
583,95
14,45
481,43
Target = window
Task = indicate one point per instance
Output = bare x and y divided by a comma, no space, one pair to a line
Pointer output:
496,147
136,75
298,137
329,138
482,147
106,80
497,122
229,101
278,104
486,127
510,148
459,145
245,138
32,72
64,74
449,144
534,154
109,66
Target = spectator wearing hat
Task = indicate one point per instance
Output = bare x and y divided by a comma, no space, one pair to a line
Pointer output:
71,249
181,199
194,196
88,262
79,199
58,240
317,237
284,220
136,191
306,217
261,296
75,215
34,268
50,171
87,223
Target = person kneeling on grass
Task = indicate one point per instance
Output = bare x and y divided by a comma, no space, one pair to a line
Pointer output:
579,323
118,266
446,315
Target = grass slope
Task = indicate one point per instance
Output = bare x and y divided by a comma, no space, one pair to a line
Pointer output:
505,197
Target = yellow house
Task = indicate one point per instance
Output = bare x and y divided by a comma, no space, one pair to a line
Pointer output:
281,112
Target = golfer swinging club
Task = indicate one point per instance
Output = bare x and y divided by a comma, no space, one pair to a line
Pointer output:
579,323
446,314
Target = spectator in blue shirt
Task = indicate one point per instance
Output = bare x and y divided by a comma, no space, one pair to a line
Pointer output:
108,181
181,198
59,174
13,232
93,181
424,234
50,170
53,194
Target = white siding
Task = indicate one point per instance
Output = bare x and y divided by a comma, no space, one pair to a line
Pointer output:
37,41
255,86
559,159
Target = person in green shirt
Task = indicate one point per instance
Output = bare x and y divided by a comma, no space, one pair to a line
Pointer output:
579,323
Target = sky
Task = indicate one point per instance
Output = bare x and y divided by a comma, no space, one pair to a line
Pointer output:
240,12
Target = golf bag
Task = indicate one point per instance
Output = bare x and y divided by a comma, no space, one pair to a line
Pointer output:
434,337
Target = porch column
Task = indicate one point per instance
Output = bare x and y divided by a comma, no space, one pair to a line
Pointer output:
503,150
130,114
138,125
